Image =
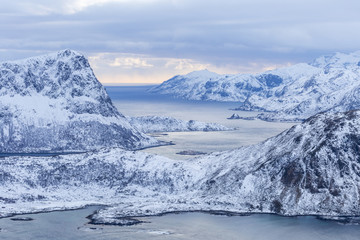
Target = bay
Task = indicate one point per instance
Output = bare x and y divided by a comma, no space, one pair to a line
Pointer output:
73,225
136,101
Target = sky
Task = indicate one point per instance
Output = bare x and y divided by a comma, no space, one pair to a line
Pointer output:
149,41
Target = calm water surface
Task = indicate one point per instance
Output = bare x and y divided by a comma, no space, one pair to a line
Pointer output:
73,225
135,101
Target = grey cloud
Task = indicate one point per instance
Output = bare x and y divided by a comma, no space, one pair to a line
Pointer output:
220,33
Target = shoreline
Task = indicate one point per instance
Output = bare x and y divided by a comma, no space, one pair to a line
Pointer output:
136,219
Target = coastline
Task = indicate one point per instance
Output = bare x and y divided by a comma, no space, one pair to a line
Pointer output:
137,219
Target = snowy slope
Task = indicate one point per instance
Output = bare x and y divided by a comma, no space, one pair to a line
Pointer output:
107,176
329,83
312,168
150,124
55,103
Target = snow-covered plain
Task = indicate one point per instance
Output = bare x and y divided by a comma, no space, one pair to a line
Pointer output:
329,83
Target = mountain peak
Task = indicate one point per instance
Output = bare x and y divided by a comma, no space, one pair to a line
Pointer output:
202,74
68,52
337,60
64,73
62,54
54,102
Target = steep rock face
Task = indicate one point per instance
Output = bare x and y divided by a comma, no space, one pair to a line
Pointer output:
329,83
55,103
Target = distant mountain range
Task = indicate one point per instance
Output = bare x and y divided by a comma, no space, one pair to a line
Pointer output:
54,103
329,83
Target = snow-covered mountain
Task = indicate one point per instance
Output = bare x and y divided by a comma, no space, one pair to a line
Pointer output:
312,168
329,83
55,103
151,124
106,176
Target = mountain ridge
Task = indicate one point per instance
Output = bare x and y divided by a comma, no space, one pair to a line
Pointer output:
294,93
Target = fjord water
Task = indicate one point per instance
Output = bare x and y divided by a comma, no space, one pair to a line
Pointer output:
135,101
72,225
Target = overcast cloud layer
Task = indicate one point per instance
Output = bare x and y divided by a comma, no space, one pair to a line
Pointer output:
152,40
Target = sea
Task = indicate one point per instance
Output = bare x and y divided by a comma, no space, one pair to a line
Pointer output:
137,101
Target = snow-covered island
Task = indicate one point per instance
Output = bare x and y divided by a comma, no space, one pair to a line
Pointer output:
329,83
234,116
152,124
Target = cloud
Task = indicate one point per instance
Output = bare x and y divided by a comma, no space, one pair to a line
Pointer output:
185,64
137,68
130,62
66,7
182,35
74,6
